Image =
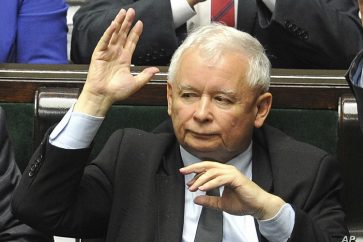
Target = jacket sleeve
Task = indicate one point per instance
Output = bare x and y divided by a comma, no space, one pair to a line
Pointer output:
11,229
321,217
320,33
158,40
71,196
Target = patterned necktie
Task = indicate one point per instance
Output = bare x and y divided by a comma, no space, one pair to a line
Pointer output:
210,224
223,11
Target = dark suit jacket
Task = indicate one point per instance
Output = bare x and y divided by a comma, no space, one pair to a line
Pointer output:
354,73
322,34
133,191
11,229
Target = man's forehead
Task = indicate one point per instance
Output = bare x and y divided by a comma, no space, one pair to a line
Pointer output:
227,90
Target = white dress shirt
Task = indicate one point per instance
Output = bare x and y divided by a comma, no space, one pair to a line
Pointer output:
201,14
235,228
77,130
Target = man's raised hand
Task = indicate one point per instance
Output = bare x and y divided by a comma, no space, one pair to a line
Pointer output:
109,78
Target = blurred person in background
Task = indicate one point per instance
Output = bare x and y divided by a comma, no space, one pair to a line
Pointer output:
319,34
33,31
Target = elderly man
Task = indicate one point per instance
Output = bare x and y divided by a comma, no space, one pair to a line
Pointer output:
156,186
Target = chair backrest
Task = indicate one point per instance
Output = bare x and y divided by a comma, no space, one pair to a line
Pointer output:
50,105
338,132
350,153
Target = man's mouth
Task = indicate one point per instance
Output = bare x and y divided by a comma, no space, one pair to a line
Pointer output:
202,135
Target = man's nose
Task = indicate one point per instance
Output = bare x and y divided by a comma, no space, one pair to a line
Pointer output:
203,110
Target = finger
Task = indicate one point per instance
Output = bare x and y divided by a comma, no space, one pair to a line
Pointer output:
118,20
120,17
106,37
145,76
126,26
196,176
110,31
134,36
199,167
207,180
208,201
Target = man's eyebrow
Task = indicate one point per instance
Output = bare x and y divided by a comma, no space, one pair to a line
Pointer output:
184,87
228,92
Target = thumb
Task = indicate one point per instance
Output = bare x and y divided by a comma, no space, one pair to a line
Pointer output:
208,201
145,76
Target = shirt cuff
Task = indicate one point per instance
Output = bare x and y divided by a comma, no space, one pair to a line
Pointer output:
279,228
75,131
357,78
181,11
360,78
270,4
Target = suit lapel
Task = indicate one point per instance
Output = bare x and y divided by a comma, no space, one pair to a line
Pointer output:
170,194
261,168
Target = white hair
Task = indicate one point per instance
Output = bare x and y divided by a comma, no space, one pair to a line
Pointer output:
215,40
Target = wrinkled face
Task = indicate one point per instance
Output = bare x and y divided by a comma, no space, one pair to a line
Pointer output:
212,107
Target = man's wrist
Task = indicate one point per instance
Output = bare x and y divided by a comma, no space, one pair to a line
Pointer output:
271,206
182,12
75,130
279,228
93,105
192,3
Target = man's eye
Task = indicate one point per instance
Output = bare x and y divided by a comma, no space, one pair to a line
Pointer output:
222,100
188,95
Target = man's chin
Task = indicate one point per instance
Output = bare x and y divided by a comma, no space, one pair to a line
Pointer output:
202,151
210,152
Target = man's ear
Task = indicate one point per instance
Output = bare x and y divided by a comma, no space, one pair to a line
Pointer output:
264,102
169,96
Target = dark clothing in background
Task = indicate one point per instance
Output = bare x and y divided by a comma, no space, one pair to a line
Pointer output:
318,34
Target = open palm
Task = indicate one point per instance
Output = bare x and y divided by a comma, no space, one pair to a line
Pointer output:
109,78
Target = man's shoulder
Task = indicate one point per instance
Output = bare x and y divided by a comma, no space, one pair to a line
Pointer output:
137,139
299,170
280,144
294,162
139,134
